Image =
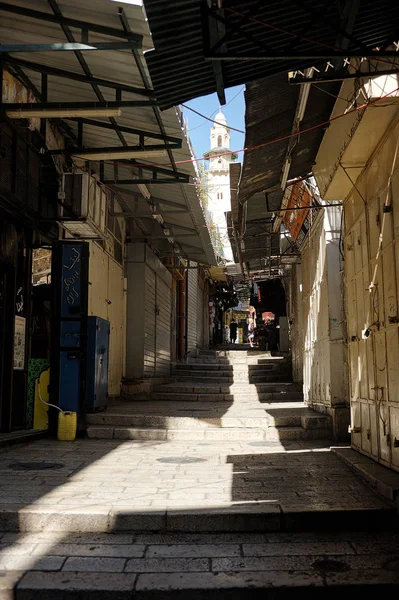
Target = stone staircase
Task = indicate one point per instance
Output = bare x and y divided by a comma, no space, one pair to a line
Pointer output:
224,395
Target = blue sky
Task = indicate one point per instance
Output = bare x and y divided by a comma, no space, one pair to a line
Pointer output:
199,128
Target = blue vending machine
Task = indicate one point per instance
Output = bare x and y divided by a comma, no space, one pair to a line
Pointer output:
98,331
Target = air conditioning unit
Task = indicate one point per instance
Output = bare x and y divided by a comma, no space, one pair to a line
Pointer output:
82,206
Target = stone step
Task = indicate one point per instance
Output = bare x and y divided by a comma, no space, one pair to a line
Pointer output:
199,366
202,373
235,387
229,518
226,397
274,376
244,374
280,578
212,434
205,372
243,360
299,417
198,379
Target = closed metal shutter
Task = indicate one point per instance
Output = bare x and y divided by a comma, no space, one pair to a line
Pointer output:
149,328
200,311
163,327
192,308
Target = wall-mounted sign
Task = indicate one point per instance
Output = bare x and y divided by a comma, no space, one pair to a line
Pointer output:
298,221
71,275
19,343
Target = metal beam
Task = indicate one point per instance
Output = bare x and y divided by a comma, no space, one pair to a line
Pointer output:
185,245
26,106
213,32
347,22
169,203
67,47
83,63
185,177
237,28
107,149
330,56
132,130
192,229
162,171
76,23
53,71
342,77
146,82
148,181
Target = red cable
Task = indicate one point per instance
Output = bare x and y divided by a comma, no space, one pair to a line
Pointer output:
279,139
249,148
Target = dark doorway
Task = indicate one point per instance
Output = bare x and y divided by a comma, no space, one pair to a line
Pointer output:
15,288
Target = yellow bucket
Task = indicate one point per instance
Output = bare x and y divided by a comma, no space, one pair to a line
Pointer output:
67,423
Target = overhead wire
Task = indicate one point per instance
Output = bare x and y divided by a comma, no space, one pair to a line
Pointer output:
211,120
215,111
269,142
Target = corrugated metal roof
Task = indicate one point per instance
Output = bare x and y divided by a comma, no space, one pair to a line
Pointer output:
180,72
270,111
117,66
253,225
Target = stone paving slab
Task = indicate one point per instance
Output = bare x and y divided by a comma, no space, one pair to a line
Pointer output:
178,565
107,485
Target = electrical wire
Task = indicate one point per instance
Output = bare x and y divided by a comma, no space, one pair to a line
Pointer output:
217,110
288,136
211,120
269,142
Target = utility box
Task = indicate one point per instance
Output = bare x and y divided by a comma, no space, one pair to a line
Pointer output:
98,332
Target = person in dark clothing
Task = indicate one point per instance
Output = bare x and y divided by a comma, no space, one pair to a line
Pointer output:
233,331
272,337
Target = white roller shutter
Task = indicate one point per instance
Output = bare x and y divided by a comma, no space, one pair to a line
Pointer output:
163,327
150,322
192,308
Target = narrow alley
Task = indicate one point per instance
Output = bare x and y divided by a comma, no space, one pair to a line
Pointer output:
199,299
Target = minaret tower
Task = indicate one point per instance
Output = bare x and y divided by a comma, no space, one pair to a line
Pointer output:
219,173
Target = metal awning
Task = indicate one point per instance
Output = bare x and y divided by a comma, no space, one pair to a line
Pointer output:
204,46
271,108
63,69
256,248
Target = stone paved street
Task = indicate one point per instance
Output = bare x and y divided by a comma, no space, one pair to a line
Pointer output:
65,565
106,485
215,506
